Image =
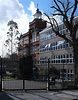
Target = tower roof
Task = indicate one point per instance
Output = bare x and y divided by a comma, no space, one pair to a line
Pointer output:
38,14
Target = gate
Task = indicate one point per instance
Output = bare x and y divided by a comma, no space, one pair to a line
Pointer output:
11,81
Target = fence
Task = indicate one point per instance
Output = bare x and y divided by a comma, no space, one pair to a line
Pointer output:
43,76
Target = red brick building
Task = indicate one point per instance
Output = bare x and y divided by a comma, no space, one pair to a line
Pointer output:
29,42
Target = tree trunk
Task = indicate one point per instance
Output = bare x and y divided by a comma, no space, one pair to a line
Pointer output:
75,58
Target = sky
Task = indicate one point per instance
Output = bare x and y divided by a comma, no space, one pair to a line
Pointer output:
20,11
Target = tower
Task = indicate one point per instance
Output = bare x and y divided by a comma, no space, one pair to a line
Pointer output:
37,25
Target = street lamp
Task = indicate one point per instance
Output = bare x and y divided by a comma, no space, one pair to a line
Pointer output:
63,61
1,75
48,86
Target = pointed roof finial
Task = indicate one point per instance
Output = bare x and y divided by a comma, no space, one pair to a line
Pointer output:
38,13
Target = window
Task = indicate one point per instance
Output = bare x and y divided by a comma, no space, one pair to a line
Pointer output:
67,56
59,56
76,21
67,60
26,40
71,55
55,46
67,44
71,60
60,28
71,70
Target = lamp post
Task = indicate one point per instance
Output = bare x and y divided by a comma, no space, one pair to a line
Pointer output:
63,61
1,69
48,86
1,76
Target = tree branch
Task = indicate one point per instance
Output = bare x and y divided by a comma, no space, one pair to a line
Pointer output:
57,30
62,13
57,14
74,9
61,4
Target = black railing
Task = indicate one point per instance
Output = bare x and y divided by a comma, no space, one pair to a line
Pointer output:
44,75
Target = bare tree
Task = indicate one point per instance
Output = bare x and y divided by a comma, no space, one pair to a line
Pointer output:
12,34
67,10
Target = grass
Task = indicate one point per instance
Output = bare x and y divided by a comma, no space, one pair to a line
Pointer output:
8,77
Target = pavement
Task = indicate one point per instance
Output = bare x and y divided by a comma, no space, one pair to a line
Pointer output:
39,95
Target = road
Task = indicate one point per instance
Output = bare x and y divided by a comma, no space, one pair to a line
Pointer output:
39,95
